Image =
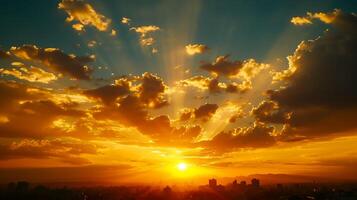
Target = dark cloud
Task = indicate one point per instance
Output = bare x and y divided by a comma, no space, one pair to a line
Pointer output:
159,128
11,93
321,90
186,115
213,86
67,151
268,111
190,133
204,112
164,133
129,110
132,112
238,88
15,96
223,66
232,88
257,136
28,111
235,117
34,119
55,59
245,70
109,93
151,90
133,96
4,54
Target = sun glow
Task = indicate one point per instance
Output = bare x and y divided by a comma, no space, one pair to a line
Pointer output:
182,166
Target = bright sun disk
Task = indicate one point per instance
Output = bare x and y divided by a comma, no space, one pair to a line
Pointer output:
182,166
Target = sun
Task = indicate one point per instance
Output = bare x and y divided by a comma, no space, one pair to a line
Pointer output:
182,166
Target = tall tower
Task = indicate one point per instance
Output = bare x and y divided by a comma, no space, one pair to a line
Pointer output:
212,183
255,182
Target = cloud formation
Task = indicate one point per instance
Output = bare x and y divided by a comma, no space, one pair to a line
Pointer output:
300,21
320,94
65,150
327,18
314,98
125,20
213,85
128,102
269,111
148,88
222,66
192,49
109,93
204,112
40,114
257,136
131,111
56,60
151,90
31,74
23,107
84,14
145,32
4,54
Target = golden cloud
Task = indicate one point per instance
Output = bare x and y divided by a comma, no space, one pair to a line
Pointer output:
319,95
65,150
204,112
257,136
85,14
55,59
193,49
78,27
125,20
213,85
109,93
222,66
144,31
300,20
327,18
31,74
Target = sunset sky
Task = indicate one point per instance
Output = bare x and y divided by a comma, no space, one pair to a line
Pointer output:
177,91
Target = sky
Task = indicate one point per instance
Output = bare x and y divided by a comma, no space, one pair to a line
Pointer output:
128,91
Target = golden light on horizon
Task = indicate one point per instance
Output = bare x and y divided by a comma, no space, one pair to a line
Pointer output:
181,170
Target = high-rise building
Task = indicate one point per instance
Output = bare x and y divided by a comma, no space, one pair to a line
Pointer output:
255,182
235,183
212,183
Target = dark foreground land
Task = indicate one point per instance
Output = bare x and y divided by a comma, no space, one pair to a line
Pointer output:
237,191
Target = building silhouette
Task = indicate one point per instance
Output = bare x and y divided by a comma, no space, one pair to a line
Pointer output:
23,190
243,183
255,182
212,183
235,183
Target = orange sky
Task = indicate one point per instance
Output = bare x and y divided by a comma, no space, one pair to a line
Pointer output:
80,120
